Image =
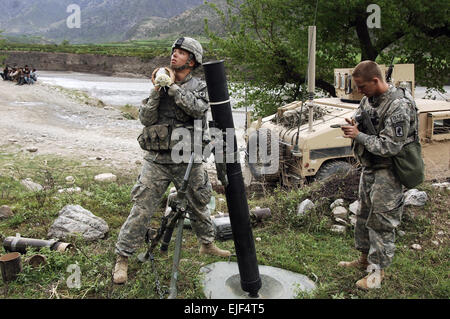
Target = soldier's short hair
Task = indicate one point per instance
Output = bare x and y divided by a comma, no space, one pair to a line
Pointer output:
367,70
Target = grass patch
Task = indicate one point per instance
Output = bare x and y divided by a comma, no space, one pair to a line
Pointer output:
130,112
302,244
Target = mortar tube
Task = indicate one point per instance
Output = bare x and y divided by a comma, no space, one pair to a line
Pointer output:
235,190
20,244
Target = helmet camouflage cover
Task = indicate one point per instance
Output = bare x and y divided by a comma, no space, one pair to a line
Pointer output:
191,45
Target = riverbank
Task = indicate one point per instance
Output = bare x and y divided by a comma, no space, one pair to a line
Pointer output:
125,66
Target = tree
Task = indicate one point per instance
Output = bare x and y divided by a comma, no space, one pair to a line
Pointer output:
266,43
2,42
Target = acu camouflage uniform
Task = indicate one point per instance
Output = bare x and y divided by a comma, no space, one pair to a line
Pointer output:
394,115
189,101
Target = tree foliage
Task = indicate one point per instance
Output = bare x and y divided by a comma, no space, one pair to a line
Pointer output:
266,43
2,41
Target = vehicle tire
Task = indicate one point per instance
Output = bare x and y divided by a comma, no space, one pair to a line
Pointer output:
333,168
256,169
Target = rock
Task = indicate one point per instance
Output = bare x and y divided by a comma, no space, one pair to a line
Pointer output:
441,233
30,185
70,180
304,207
106,177
435,242
352,219
338,228
416,247
73,220
70,190
31,149
353,208
12,140
336,203
341,221
5,212
440,186
340,212
258,238
413,197
401,233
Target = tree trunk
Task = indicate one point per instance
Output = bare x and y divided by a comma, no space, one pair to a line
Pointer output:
368,51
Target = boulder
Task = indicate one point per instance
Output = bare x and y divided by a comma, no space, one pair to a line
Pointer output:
353,208
74,220
413,197
5,212
304,207
338,228
340,212
30,185
352,219
336,203
105,178
342,221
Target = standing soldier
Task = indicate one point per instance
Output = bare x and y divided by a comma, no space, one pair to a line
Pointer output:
186,100
392,114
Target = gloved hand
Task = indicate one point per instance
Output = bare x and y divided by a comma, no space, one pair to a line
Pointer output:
173,89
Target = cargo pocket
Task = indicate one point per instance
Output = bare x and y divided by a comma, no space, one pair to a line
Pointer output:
204,192
144,140
163,136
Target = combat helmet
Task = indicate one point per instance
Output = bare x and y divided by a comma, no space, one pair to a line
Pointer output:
192,46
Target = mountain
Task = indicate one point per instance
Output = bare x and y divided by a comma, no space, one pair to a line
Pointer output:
191,23
101,20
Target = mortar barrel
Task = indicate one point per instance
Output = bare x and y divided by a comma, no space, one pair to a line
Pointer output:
235,190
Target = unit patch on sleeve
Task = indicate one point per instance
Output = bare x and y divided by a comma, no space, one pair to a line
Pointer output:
399,130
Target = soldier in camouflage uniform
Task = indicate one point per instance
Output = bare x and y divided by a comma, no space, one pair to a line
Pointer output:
164,111
394,116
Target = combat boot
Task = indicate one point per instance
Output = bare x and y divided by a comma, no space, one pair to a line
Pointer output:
360,263
120,270
372,280
211,249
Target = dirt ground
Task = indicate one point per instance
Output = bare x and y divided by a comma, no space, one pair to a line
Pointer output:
55,122
52,121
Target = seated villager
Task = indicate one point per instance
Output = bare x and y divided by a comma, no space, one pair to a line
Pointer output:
21,77
5,73
33,76
26,75
14,74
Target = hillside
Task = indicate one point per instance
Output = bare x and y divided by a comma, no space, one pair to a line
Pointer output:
101,20
191,22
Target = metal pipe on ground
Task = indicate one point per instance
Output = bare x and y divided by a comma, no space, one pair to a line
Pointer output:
20,244
235,190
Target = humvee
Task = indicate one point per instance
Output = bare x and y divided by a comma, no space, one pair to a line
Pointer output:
313,147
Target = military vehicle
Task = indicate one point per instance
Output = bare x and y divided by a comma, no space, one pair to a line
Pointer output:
311,143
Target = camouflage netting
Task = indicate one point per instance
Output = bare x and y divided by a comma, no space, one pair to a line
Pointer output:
291,118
